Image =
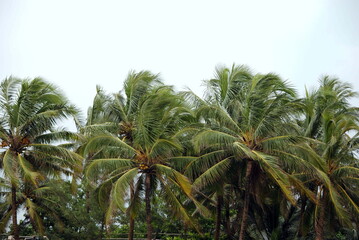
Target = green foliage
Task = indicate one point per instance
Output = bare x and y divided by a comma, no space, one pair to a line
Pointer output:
29,111
77,217
249,160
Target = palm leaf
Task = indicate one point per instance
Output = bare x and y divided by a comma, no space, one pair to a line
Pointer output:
121,187
10,168
214,175
99,142
106,165
29,174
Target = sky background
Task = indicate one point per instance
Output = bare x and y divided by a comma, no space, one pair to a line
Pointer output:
79,44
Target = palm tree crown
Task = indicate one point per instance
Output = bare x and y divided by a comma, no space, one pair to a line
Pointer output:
29,111
139,155
247,117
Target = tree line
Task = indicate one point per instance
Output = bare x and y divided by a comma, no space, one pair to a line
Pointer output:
248,160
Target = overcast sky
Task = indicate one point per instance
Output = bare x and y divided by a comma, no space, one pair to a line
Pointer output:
78,44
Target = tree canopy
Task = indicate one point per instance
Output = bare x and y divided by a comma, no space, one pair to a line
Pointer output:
250,160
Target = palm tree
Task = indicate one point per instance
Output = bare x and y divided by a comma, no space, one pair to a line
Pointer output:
33,199
97,123
139,157
248,117
116,114
215,97
29,111
333,125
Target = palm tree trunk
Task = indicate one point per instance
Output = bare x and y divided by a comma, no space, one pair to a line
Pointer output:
185,231
319,222
15,227
132,227
246,200
227,216
148,206
302,217
218,216
286,224
132,219
236,222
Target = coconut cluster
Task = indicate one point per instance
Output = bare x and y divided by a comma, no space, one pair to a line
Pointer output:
143,166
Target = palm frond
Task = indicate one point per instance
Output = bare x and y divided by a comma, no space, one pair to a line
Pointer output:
29,174
100,142
10,166
121,187
106,165
214,175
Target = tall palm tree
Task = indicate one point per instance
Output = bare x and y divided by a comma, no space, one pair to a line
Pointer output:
97,123
116,114
333,125
139,157
219,96
248,117
29,111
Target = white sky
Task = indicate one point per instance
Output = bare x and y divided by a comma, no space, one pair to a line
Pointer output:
78,44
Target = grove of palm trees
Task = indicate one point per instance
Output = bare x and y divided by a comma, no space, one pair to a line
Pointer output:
251,159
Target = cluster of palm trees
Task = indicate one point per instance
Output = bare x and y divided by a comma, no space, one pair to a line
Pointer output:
251,154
